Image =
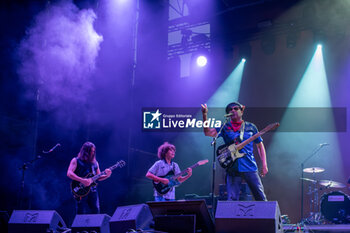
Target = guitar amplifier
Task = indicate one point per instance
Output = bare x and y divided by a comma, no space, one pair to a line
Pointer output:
34,221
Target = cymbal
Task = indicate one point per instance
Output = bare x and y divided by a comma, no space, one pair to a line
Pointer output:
332,184
313,169
307,179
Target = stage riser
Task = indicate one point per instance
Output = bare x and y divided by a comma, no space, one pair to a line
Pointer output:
230,217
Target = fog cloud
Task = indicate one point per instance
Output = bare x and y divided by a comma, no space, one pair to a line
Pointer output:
58,55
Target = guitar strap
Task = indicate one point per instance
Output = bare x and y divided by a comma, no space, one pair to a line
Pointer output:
241,131
92,169
173,167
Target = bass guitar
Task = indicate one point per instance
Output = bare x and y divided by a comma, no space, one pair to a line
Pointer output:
173,182
227,154
79,190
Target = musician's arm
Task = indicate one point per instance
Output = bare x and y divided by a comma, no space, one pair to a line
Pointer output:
262,154
156,178
184,178
103,177
211,132
73,176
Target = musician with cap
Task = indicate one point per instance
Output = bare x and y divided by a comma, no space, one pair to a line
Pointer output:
236,130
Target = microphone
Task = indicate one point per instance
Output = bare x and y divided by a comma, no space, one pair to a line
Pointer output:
228,115
324,144
52,149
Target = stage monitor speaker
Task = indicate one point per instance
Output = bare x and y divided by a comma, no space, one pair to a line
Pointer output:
35,221
248,217
204,222
91,222
175,223
132,217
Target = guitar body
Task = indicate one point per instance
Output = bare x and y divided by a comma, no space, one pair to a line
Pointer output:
173,182
227,154
79,190
165,188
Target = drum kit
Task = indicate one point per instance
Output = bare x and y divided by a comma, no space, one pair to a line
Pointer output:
334,206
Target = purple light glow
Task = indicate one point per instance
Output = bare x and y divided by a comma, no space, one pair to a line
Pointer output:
201,61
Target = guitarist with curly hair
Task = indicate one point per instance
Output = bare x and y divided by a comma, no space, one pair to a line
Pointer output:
164,166
79,169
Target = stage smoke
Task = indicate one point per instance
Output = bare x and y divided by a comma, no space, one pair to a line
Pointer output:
57,57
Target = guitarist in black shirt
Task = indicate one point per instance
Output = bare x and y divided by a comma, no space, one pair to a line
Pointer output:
80,169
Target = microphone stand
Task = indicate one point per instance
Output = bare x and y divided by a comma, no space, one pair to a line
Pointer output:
23,168
213,143
302,180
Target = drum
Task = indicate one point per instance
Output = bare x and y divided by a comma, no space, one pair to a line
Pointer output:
335,207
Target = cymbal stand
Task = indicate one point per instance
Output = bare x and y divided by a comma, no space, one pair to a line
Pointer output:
302,181
314,217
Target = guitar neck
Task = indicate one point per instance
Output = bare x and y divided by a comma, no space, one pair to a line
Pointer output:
249,140
184,171
114,166
95,178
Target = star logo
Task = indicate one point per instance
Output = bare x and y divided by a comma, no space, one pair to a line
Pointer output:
151,119
156,115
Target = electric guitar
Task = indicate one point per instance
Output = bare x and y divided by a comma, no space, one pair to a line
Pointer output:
228,153
79,190
173,182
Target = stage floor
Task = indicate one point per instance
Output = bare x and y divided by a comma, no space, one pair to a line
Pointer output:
318,228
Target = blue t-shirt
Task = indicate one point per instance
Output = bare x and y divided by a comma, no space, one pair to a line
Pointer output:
161,168
247,163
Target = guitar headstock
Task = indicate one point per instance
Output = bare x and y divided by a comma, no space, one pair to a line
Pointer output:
202,162
270,127
121,163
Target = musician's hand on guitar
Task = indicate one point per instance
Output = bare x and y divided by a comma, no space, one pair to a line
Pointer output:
86,182
108,172
164,181
264,171
204,108
189,171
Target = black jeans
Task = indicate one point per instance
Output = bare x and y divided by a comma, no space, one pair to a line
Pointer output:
234,180
89,204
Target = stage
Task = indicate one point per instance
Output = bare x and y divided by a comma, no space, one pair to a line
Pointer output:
340,228
128,76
